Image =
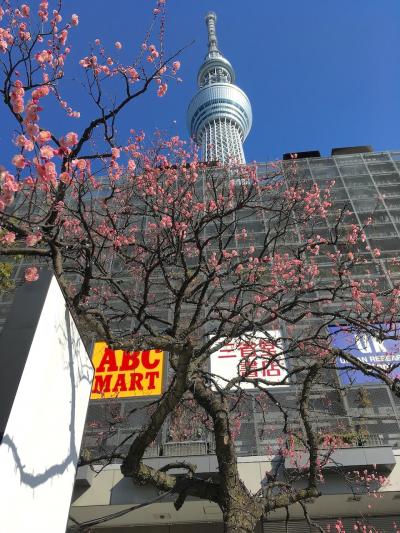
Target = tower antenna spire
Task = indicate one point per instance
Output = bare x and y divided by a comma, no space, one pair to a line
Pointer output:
211,19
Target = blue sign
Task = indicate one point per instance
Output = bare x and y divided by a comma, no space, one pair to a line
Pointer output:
381,354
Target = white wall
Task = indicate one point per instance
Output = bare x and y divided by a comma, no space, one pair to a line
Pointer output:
40,448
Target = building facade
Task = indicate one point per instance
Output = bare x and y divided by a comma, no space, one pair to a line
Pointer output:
364,414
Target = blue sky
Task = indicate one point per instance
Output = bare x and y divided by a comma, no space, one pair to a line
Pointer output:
319,73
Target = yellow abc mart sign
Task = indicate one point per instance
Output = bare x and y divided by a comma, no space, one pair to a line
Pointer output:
122,374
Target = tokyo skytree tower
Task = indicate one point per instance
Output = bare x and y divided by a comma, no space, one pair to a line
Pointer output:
219,116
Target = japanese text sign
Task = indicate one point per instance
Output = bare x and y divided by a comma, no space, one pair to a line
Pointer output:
367,349
123,374
258,355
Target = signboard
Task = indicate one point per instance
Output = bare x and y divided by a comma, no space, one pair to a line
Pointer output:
367,349
123,374
256,356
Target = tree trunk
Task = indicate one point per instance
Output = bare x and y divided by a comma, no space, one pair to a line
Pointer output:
238,519
241,512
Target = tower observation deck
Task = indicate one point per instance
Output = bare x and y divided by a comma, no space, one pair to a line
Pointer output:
219,116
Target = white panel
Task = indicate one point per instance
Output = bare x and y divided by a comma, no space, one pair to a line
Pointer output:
40,448
250,357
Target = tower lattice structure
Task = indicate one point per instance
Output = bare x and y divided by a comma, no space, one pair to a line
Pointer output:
219,115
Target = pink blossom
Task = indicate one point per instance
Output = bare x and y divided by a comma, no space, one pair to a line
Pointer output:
18,105
71,139
24,35
47,152
24,143
33,239
162,89
63,37
118,45
57,16
377,252
50,172
32,129
176,65
6,39
31,274
131,164
18,161
87,62
166,221
8,238
152,56
74,20
17,94
25,10
32,112
115,153
43,137
65,178
43,11
9,183
45,56
81,164
133,74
